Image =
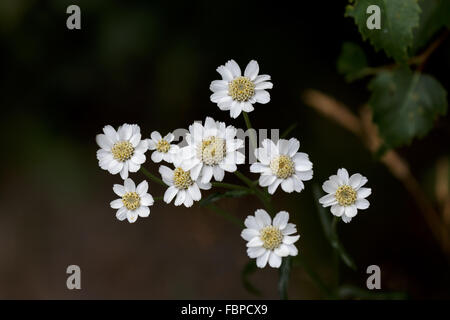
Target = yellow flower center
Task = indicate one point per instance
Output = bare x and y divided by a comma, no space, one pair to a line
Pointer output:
212,151
163,146
131,200
182,179
122,151
345,195
272,237
282,166
241,89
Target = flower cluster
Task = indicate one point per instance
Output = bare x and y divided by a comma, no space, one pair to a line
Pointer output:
209,150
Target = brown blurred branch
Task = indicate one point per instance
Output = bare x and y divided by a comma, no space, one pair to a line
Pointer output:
364,128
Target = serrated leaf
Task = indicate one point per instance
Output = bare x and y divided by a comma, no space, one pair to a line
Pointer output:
435,15
229,194
351,61
398,19
248,270
405,104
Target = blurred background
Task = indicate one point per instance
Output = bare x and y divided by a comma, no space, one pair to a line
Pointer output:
151,63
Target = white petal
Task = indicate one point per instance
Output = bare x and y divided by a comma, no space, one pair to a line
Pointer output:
121,214
255,252
170,193
343,175
147,200
194,191
218,173
249,234
111,133
255,242
181,196
188,201
250,222
362,204
346,219
330,186
262,96
125,132
294,145
261,78
157,156
132,216
292,250
264,85
104,142
290,229
129,185
281,219
282,250
290,239
218,85
119,190
252,70
156,136
274,260
273,187
143,212
266,180
225,73
142,188
116,204
261,261
355,180
258,167
337,210
234,68
363,193
262,218
287,185
207,174
351,211
235,110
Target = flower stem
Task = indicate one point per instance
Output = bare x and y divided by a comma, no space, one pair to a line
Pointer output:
228,186
253,143
152,177
226,215
260,194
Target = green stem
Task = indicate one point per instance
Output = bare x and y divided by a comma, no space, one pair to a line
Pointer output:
315,277
228,186
226,215
336,258
260,194
152,177
253,142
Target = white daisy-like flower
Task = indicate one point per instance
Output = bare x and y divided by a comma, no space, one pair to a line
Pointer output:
182,185
163,149
281,164
270,241
134,201
122,150
345,194
238,93
211,150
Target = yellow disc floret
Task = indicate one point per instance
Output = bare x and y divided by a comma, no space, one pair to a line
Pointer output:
162,146
212,151
182,179
345,195
131,200
241,89
282,166
272,237
122,151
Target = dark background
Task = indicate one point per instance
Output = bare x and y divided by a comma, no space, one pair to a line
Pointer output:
151,63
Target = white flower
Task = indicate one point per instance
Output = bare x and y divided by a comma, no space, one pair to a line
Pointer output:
281,164
163,149
182,185
122,150
238,93
134,201
270,241
211,150
345,195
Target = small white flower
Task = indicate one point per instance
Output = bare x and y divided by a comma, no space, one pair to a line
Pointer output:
345,195
270,241
238,93
281,164
182,185
163,149
211,150
134,201
122,150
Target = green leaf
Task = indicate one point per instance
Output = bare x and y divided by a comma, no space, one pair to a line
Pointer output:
283,282
248,270
329,228
405,104
229,194
435,15
351,61
398,19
